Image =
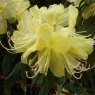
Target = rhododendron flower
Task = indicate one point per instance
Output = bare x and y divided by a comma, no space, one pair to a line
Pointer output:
58,51
58,48
11,9
14,8
34,18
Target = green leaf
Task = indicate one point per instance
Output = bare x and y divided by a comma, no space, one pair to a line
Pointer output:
8,63
12,77
60,80
47,84
37,80
88,11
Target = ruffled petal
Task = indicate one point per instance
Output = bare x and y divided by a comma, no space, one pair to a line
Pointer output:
15,8
57,66
22,41
73,13
25,55
60,42
43,36
54,14
82,47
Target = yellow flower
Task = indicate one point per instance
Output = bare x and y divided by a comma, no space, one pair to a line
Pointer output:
15,8
58,51
25,36
57,48
35,17
11,10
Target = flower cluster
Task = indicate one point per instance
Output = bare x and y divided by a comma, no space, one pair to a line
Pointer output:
51,33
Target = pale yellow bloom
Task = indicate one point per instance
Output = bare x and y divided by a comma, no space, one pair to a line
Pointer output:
25,36
14,8
11,10
32,19
58,51
58,47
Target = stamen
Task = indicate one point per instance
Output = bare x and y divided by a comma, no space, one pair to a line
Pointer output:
82,32
8,35
78,77
9,50
22,42
75,69
41,65
14,50
30,77
32,60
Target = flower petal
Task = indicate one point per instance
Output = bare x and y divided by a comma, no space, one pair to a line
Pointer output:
73,13
25,55
43,38
57,66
